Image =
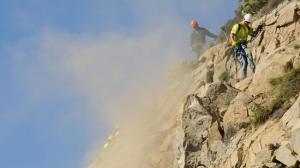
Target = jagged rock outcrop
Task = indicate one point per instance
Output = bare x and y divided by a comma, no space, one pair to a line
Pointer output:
237,116
202,125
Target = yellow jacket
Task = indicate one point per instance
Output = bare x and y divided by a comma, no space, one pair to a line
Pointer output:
241,32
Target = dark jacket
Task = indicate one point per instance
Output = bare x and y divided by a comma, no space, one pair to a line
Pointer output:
199,34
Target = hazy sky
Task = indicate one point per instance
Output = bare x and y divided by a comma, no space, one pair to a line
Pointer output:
64,64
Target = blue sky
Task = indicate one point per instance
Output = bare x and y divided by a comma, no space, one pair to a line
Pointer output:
53,103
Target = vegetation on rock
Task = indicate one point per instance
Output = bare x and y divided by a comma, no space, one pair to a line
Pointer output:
284,88
224,77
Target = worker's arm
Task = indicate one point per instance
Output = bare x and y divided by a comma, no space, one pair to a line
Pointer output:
232,37
233,33
210,34
256,32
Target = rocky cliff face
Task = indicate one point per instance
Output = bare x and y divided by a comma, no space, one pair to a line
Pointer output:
220,126
238,123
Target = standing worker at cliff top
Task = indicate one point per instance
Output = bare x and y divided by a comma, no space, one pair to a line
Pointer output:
238,38
198,38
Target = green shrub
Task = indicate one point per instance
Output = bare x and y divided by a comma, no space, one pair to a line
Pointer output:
283,89
250,6
224,77
254,6
260,113
271,5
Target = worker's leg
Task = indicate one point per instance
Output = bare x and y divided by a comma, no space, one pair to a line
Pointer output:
244,61
240,51
197,49
251,62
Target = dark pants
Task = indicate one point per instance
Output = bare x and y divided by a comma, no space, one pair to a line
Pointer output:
245,59
199,49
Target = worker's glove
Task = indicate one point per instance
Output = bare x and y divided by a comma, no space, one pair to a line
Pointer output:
260,27
233,43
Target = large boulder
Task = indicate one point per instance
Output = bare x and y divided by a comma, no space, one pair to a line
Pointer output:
265,156
292,117
218,150
236,117
288,17
285,156
196,120
221,95
201,124
215,142
295,138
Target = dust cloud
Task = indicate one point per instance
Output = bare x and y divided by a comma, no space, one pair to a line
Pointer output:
140,135
125,82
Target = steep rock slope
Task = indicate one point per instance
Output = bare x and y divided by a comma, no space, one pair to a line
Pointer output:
200,122
226,131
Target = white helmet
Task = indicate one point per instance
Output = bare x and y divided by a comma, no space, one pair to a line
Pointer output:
248,18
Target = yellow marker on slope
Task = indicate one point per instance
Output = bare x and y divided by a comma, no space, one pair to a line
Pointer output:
105,146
